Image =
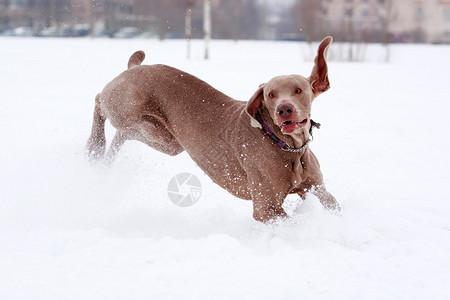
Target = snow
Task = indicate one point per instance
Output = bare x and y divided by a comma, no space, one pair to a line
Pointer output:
72,231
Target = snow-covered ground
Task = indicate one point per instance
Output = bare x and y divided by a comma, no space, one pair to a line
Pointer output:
72,231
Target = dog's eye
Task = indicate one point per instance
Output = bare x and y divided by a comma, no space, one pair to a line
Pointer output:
298,91
271,95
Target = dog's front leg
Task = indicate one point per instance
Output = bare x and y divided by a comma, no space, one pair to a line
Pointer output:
267,192
265,211
325,198
267,204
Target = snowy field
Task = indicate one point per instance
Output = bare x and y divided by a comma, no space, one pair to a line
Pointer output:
72,231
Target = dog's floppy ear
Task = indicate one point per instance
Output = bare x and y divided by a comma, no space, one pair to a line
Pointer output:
319,75
255,102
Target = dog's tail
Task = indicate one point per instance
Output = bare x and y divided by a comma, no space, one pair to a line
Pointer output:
136,59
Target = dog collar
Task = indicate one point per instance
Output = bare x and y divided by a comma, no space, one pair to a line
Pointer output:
279,142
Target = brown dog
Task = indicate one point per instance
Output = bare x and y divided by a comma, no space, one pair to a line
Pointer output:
236,143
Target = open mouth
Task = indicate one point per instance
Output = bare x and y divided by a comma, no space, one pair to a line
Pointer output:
290,126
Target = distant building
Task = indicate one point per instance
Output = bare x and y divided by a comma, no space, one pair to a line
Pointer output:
352,15
429,20
404,20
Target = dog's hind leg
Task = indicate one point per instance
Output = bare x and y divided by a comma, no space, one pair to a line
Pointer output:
95,146
117,143
154,133
151,132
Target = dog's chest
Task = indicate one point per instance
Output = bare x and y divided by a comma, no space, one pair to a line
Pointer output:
298,170
305,173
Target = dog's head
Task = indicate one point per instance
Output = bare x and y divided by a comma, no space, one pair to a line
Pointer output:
288,98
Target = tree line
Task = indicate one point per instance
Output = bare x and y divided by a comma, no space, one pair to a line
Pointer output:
231,19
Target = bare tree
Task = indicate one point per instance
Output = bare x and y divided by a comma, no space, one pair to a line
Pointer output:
387,15
251,20
350,27
236,8
357,38
238,19
168,16
207,25
188,26
111,24
306,15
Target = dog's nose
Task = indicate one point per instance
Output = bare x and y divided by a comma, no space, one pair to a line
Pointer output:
285,110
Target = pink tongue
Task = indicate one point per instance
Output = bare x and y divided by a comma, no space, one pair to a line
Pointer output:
286,127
